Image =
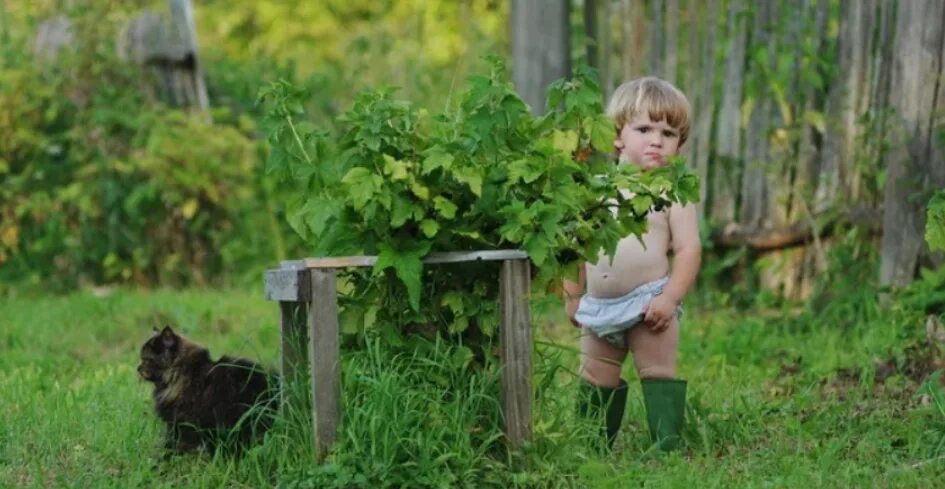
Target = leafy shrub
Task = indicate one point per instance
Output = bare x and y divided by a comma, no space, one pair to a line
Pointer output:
399,183
99,184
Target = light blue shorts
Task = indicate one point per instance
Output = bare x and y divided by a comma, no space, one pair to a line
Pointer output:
611,318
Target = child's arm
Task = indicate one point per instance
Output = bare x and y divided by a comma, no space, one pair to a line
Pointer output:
573,292
687,256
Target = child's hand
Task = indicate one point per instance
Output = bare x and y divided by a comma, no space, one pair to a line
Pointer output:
659,313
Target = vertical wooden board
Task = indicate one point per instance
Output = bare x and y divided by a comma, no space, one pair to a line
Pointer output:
516,351
728,163
694,31
702,131
671,52
325,360
755,194
592,30
915,160
541,51
633,38
597,24
607,50
656,64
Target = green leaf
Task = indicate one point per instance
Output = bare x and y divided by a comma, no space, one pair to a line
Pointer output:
454,301
401,209
565,141
437,158
360,186
603,133
429,227
641,204
407,265
538,248
446,208
396,170
420,190
471,177
525,171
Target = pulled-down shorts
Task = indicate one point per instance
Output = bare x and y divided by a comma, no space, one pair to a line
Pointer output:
611,318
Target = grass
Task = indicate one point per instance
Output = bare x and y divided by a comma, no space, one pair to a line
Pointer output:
778,398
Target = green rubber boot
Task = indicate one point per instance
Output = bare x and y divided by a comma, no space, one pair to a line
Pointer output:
665,401
607,402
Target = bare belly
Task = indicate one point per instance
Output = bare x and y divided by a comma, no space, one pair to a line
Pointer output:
632,266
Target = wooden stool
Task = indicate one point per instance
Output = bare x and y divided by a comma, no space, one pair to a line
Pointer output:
307,287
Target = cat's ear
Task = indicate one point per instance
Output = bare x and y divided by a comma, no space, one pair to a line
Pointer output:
168,337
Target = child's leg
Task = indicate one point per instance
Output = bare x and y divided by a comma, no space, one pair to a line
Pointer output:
600,361
603,394
654,354
664,396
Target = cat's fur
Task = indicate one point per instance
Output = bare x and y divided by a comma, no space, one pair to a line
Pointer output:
202,402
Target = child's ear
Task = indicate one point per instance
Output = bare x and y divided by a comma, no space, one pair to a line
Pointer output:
168,337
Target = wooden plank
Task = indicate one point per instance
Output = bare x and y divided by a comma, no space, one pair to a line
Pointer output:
516,345
915,166
325,360
464,256
433,258
723,172
294,340
287,285
338,262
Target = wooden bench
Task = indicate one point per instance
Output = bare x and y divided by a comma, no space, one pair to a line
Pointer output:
308,304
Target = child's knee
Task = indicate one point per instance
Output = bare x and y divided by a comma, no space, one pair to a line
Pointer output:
601,374
657,372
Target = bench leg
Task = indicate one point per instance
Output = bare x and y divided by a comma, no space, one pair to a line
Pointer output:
325,356
516,346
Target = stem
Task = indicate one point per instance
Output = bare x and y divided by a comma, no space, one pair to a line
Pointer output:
298,140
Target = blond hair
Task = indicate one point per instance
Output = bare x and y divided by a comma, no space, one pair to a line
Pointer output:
657,98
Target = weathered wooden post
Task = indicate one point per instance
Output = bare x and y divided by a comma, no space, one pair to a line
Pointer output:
170,50
325,359
307,288
516,344
52,36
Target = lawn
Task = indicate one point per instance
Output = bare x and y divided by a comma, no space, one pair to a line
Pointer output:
779,397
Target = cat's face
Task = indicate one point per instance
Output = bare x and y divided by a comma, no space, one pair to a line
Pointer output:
158,353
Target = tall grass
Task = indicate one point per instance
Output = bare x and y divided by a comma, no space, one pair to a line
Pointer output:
778,398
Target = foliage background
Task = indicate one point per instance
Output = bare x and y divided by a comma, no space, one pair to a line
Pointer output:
102,184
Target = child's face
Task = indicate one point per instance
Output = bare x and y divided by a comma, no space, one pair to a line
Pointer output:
646,143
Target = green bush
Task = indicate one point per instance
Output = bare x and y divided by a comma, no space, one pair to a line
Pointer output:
399,183
98,184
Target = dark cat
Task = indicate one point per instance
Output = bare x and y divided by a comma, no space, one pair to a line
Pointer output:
202,402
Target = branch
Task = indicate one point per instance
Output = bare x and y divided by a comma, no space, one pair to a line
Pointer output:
734,235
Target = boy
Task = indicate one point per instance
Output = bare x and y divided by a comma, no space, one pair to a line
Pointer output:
632,302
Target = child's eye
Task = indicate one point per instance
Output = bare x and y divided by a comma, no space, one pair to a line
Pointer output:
643,129
669,134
